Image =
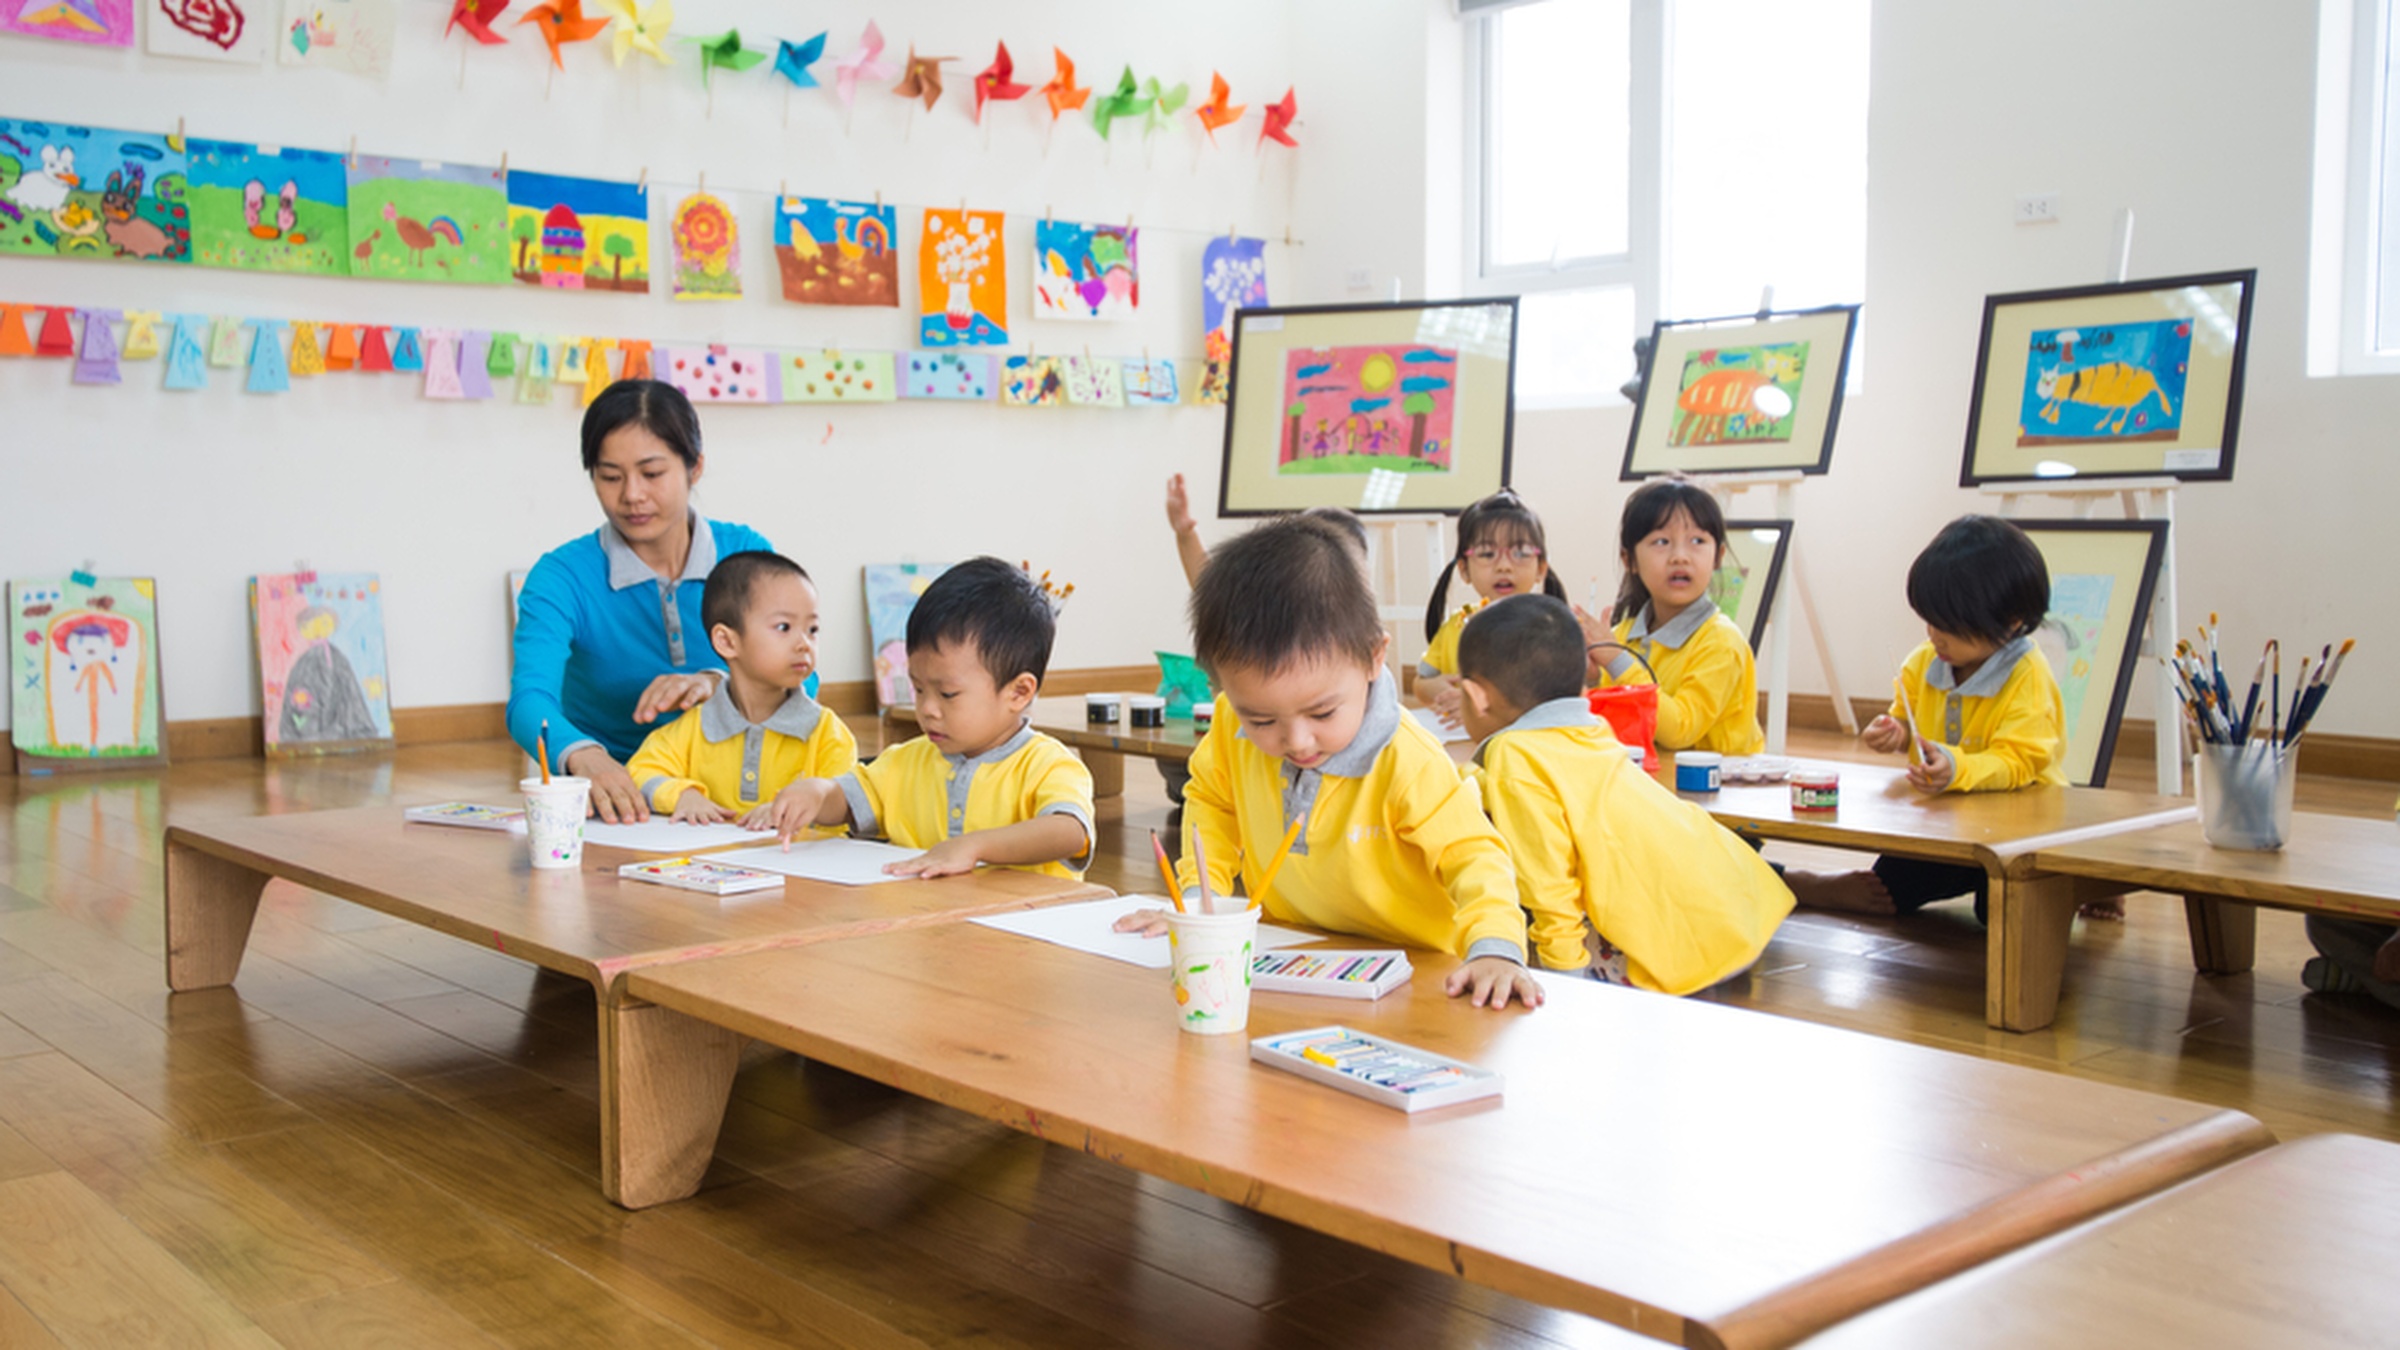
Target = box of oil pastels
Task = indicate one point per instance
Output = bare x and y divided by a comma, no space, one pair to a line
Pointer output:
1379,1070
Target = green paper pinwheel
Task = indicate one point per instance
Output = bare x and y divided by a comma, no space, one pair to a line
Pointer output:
1124,101
1160,104
725,52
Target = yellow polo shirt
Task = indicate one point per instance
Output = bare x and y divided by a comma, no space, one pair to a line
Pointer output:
1596,839
1707,679
1396,849
917,795
739,763
1441,655
2005,725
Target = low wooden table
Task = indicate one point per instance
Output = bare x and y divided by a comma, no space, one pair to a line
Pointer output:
480,886
2288,1248
2032,908
1103,746
2338,865
1694,1172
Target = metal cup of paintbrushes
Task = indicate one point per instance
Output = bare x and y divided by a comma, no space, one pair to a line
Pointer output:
2246,794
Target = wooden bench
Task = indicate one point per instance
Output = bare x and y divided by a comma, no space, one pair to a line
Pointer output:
2337,865
2289,1248
480,887
1697,1173
2032,907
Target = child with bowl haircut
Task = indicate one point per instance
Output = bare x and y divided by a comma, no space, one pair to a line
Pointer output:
760,731
981,786
1392,844
1675,902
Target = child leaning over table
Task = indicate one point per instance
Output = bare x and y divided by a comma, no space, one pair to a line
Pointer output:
1393,845
1675,901
760,731
981,785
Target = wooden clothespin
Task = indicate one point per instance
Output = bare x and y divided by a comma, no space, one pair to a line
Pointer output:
704,180
504,164
642,184
353,162
1047,217
879,199
1232,232
179,128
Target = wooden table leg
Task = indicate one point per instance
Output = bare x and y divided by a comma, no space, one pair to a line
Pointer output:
210,906
2026,954
1108,772
664,1082
2224,934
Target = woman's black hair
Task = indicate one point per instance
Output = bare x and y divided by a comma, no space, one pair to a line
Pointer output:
1981,577
1502,518
1647,511
660,408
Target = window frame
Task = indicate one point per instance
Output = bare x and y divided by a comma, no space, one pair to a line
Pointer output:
1642,267
2369,88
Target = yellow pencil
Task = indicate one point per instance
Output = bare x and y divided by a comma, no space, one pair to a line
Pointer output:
1166,872
1900,691
1267,882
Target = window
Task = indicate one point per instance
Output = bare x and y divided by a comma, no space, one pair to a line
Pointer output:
2354,254
1639,159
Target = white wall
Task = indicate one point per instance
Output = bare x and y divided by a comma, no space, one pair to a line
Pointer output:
2197,114
351,471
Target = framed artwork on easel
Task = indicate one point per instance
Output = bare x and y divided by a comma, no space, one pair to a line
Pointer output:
2137,379
1747,577
1749,394
2103,574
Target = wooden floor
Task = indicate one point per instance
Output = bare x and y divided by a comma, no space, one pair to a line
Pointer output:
381,1136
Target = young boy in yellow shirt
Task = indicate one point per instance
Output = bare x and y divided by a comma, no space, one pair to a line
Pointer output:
1675,901
1309,728
759,731
980,786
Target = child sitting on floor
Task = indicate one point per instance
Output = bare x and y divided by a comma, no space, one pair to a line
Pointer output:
981,785
1675,901
760,731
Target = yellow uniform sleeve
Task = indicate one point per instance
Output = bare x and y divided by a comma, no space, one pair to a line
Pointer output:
1441,655
1441,816
2028,731
1707,688
879,780
832,750
1061,785
662,769
1208,811
1541,843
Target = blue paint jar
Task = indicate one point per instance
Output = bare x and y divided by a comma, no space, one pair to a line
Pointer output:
1698,771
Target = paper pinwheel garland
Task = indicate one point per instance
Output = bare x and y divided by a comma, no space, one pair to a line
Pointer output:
1279,121
1220,110
1124,101
860,65
725,52
922,78
793,59
997,82
640,30
476,17
561,22
1159,104
1062,93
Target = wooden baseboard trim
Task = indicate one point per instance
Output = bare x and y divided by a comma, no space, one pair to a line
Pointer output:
2323,753
245,737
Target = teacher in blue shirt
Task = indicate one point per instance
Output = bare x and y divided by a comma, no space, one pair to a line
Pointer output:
609,635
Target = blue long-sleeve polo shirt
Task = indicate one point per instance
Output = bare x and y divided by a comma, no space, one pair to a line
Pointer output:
595,627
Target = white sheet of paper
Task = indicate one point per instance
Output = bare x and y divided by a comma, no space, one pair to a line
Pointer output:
1088,927
844,862
661,835
1432,721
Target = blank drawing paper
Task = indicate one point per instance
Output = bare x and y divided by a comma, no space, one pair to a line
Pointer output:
1090,927
661,835
844,862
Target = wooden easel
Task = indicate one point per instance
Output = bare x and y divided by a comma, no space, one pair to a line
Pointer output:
1778,673
1385,542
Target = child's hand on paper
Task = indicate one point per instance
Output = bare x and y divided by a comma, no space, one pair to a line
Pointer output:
694,808
1884,736
1149,923
948,858
1935,773
1489,981
793,810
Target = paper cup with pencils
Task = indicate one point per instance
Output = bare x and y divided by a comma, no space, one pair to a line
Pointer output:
554,810
1209,956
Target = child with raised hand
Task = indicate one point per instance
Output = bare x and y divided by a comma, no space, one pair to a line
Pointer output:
1670,540
1674,902
981,786
760,731
1502,552
1393,845
1988,717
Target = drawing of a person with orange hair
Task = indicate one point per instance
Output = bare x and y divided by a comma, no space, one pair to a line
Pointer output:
94,681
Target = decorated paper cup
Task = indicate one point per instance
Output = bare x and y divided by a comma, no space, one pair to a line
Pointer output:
1209,958
554,819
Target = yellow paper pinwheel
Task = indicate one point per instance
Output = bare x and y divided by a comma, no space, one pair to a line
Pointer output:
640,30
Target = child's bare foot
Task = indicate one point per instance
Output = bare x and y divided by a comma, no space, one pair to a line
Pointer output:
1851,892
2110,908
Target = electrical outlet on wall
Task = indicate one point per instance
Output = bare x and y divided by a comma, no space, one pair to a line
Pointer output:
2038,209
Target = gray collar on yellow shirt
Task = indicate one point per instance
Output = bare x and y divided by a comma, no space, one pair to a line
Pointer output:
721,719
1571,711
1375,731
1678,630
1988,677
962,774
627,570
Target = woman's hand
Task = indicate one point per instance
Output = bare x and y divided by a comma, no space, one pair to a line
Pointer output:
614,797
674,693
